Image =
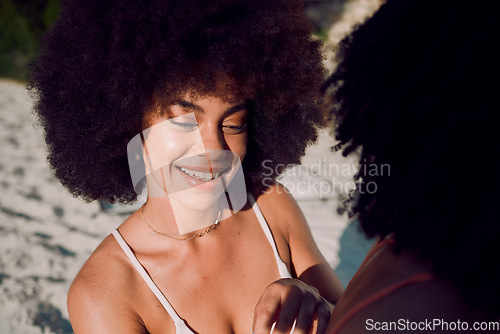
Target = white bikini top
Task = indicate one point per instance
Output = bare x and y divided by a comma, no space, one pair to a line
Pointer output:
180,325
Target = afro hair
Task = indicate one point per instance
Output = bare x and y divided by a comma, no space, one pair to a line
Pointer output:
413,90
106,62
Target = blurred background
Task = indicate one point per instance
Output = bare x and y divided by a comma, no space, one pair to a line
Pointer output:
46,235
22,23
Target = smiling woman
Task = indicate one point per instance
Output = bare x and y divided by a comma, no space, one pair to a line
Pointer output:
194,150
189,98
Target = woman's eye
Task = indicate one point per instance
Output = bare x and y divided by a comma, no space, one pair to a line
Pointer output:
185,126
234,129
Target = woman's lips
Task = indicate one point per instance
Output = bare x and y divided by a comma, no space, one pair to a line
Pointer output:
200,175
202,180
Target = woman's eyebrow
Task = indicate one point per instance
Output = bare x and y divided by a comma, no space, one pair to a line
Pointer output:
235,108
192,106
188,105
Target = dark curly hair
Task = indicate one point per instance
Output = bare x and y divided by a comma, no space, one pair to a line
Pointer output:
413,89
105,62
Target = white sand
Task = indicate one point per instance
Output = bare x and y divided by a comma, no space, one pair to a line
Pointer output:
46,234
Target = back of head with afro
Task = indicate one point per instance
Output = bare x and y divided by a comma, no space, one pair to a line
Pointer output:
413,90
106,62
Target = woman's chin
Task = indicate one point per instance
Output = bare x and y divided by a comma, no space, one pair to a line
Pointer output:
196,199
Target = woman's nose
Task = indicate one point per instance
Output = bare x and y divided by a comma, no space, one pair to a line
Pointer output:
213,138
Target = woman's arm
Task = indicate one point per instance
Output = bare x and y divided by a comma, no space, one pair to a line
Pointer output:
289,299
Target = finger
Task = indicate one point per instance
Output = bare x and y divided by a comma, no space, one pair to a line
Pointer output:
323,315
265,313
305,316
287,314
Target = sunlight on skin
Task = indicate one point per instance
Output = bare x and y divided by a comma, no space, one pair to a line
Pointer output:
189,169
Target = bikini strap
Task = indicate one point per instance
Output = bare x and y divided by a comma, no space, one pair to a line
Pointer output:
283,270
175,317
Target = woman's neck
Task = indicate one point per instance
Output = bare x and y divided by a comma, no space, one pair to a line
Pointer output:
168,216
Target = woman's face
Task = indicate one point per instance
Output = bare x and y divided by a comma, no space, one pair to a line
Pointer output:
194,149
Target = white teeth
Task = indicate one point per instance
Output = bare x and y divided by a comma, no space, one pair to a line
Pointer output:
200,175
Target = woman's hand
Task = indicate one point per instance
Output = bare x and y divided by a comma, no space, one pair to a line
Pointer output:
287,300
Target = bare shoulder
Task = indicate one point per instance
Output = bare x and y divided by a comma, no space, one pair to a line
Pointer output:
280,208
99,299
297,245
276,191
104,262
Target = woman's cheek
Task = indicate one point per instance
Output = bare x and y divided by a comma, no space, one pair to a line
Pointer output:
239,145
245,145
166,147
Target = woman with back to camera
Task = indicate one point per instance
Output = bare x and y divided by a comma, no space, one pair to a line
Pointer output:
413,91
190,93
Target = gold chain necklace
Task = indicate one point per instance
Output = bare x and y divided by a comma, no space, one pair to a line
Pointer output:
199,235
